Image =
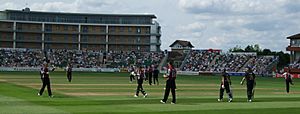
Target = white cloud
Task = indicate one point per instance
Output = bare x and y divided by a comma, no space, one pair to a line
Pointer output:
217,41
89,6
245,22
8,5
193,27
206,23
239,7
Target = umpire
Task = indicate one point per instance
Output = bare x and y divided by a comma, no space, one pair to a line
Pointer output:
46,81
250,78
69,72
225,85
170,84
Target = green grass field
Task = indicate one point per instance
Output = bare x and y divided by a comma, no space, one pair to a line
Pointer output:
112,93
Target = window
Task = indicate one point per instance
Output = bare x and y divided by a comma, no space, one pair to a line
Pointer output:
84,29
74,28
57,27
94,29
147,30
66,38
8,26
37,27
74,38
138,30
112,29
19,27
65,27
48,28
129,29
138,39
121,29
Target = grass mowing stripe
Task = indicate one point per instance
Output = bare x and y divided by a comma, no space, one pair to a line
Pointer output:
196,95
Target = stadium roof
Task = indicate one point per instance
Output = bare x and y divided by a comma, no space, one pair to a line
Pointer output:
86,14
296,36
183,43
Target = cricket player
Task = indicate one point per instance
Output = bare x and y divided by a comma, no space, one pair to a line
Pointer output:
288,80
41,73
140,79
225,85
170,84
250,78
132,74
150,74
69,72
46,81
155,75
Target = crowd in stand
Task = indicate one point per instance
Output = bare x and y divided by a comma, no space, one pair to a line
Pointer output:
230,62
125,59
296,64
20,58
260,64
78,58
198,60
195,61
215,62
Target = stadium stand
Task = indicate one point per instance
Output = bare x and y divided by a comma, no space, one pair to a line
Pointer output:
79,59
206,61
195,61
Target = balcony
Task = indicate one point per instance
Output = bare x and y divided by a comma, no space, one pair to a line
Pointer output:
290,48
6,39
6,30
93,33
28,41
129,34
29,31
61,32
62,42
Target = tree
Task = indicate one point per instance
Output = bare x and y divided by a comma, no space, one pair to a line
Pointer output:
249,48
236,49
266,52
257,48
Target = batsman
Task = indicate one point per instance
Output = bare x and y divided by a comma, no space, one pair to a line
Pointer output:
250,78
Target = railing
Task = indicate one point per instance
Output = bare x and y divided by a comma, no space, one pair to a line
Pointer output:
185,60
164,61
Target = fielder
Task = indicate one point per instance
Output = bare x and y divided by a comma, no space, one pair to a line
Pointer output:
46,81
69,72
170,84
288,80
140,79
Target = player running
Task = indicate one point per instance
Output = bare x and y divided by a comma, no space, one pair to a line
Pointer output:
250,78
225,85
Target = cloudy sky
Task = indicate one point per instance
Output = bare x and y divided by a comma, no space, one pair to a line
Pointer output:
206,23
